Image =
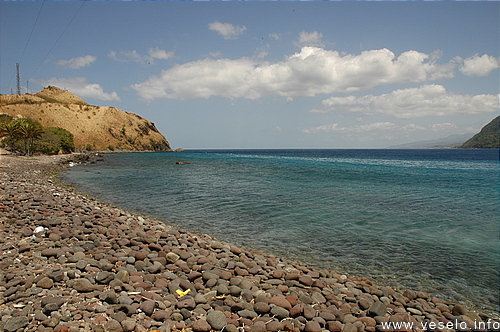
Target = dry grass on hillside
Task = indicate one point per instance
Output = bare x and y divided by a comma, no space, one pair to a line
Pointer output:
94,127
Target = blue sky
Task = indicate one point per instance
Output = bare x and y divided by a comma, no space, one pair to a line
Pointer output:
267,74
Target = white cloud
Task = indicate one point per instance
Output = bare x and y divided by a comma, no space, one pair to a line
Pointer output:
262,51
156,53
80,87
275,36
227,30
427,100
380,127
76,63
128,56
479,65
125,56
310,72
310,39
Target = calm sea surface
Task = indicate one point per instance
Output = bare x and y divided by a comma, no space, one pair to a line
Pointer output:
423,219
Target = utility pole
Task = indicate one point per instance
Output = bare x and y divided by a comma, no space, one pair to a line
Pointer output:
27,89
18,80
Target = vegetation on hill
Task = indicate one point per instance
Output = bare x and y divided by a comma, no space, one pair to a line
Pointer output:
487,138
25,136
93,127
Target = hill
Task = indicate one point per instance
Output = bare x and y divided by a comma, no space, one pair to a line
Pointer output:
487,138
93,127
451,141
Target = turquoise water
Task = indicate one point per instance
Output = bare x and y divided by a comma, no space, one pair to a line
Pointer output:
423,219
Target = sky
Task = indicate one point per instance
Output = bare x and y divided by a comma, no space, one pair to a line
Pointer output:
228,75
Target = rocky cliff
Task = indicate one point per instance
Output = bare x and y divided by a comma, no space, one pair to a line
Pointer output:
93,127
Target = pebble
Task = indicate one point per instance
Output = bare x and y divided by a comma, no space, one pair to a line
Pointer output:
216,319
16,323
83,285
45,283
95,267
201,325
377,309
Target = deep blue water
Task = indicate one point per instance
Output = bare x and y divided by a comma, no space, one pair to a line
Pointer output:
422,219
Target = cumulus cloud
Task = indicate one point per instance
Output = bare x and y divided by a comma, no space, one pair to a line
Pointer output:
80,87
427,100
227,30
134,56
479,65
307,73
379,127
76,63
310,39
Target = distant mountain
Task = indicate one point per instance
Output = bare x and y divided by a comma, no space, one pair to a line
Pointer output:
487,138
93,127
452,141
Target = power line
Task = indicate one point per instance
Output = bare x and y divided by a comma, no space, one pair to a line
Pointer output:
32,29
66,28
29,38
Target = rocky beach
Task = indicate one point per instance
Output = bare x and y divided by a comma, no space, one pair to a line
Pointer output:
69,262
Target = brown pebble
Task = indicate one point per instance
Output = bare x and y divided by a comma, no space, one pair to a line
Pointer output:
458,310
292,276
45,282
261,308
129,325
313,326
274,326
83,285
297,310
201,325
280,301
49,252
306,280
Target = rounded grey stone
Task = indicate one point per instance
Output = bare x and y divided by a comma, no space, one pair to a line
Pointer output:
123,276
217,319
280,313
377,309
261,307
148,307
124,299
234,290
247,314
16,323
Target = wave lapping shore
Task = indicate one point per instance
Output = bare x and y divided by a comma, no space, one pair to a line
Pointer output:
71,263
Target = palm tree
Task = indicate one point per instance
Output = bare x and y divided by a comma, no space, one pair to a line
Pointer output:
10,132
29,131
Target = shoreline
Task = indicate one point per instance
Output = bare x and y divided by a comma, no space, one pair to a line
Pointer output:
95,267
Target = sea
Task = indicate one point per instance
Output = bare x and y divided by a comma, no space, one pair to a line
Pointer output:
426,220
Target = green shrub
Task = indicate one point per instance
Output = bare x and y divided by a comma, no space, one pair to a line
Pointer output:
55,140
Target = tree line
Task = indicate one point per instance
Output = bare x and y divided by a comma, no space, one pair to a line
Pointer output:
25,136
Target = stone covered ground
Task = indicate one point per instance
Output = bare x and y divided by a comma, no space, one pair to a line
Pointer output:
71,263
